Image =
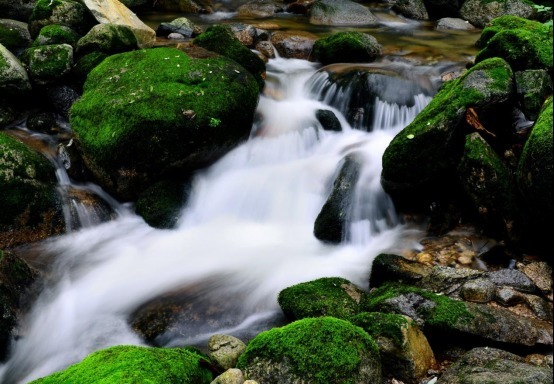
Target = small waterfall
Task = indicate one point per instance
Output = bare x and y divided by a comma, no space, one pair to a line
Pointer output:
245,234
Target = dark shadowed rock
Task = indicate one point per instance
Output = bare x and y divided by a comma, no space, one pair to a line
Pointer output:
412,9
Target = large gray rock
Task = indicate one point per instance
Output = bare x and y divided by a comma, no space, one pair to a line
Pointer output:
340,12
114,12
107,38
347,47
14,35
454,23
13,77
481,12
494,366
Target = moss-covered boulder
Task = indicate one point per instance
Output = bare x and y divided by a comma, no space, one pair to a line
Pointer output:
405,351
134,124
56,34
535,172
328,296
330,224
524,44
86,63
48,63
13,76
495,366
438,315
423,157
481,12
30,206
15,278
347,47
488,183
221,39
69,13
160,205
340,12
14,35
313,351
107,38
533,88
131,364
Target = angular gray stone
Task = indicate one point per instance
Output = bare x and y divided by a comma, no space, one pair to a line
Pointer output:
478,291
512,278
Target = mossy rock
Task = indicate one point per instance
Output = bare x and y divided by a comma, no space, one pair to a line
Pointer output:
221,39
56,34
133,124
423,157
14,35
107,38
131,364
30,203
488,183
331,221
347,47
86,63
535,172
48,63
69,13
524,44
313,351
533,88
14,80
15,278
481,12
160,205
328,296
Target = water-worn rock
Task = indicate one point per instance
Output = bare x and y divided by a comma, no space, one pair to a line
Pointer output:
328,120
181,25
13,77
454,23
259,9
312,351
535,173
425,154
225,350
405,351
220,39
230,376
107,38
437,314
533,88
69,13
488,183
389,267
340,12
56,34
327,296
114,12
48,63
293,44
524,44
512,278
478,290
61,97
447,280
14,35
494,366
481,12
412,9
347,47
15,278
160,205
133,126
330,223
136,364
30,204
246,34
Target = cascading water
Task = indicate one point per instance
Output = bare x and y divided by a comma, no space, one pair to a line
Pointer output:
245,234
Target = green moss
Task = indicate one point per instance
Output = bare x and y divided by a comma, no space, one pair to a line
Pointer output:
10,38
56,34
378,324
350,47
48,62
44,8
328,296
321,350
87,63
148,109
445,314
430,147
220,39
107,38
160,204
133,365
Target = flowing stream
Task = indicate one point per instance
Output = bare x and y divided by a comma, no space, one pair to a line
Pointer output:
245,234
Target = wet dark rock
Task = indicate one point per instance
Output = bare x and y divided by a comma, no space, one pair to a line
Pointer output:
478,291
160,205
389,267
301,7
442,8
41,121
494,366
293,44
19,10
328,120
181,25
14,35
455,24
412,9
330,223
533,88
62,97
246,34
512,278
481,12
